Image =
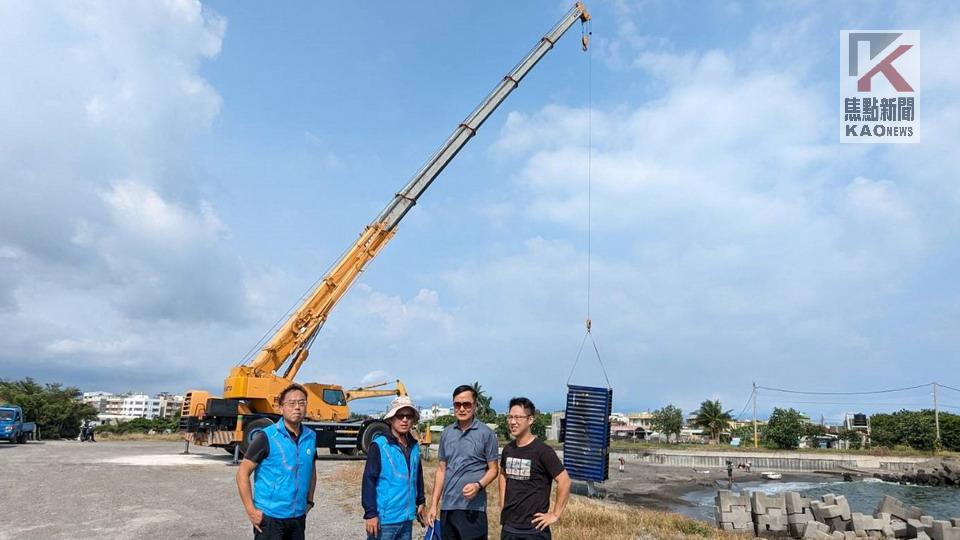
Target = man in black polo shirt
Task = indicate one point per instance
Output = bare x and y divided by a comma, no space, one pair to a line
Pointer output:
281,457
528,468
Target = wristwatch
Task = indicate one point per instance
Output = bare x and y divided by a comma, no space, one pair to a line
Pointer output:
481,486
310,504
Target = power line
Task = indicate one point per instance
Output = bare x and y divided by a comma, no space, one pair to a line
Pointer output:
899,404
887,391
745,405
948,387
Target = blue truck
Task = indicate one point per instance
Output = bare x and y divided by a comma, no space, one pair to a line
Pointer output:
12,425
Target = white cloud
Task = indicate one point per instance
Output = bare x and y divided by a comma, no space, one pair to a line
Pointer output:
88,346
730,228
374,377
391,316
112,251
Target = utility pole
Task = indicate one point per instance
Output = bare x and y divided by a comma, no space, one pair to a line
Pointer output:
756,439
936,418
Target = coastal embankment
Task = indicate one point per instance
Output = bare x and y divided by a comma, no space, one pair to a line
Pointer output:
784,461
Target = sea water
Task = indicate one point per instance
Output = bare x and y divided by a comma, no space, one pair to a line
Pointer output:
863,496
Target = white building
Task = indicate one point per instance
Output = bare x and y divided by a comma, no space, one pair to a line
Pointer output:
113,408
170,404
140,406
114,405
619,418
642,419
553,430
433,412
97,400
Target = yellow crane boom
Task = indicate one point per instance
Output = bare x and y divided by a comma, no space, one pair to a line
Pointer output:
251,390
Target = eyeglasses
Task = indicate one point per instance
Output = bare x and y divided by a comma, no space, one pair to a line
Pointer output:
296,403
465,405
511,417
405,416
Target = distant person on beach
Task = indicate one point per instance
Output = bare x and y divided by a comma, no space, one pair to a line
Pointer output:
392,488
528,469
467,465
282,458
623,464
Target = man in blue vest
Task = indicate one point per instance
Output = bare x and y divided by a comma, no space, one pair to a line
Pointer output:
392,490
283,456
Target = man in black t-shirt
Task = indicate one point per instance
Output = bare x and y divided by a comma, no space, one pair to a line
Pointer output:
528,468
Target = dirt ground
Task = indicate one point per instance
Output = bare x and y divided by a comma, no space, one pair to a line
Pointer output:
127,490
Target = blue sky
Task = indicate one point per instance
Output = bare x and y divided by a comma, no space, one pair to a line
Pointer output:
176,174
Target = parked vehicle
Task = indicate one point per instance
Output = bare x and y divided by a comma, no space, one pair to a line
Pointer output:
86,432
13,428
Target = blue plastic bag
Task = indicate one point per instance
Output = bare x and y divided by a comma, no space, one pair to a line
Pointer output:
433,531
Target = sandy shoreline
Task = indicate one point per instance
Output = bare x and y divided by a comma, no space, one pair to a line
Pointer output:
659,487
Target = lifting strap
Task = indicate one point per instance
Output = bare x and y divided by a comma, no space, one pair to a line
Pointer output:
589,322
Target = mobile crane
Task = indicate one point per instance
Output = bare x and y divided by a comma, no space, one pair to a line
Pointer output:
251,390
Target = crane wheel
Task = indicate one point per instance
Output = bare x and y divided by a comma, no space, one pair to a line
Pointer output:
373,428
249,430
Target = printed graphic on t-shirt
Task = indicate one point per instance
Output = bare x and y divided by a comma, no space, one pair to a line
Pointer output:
518,469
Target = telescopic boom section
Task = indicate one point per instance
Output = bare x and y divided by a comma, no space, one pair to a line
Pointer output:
292,341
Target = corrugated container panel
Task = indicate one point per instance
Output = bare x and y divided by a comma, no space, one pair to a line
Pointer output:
586,443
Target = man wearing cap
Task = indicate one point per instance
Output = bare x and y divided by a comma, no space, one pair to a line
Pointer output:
392,492
467,465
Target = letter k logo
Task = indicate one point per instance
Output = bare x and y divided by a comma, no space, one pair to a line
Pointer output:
886,67
878,41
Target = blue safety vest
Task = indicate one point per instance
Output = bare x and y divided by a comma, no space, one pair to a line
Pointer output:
397,485
282,480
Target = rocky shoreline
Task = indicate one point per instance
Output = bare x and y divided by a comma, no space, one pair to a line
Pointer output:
790,515
940,472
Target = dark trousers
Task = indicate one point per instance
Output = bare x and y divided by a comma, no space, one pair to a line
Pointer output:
535,535
463,525
281,529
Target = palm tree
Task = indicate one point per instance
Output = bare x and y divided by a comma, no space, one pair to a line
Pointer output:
485,412
712,418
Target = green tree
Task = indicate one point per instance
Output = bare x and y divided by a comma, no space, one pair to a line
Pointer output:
485,412
444,420
853,437
139,425
539,427
811,430
950,431
784,428
57,411
746,434
916,429
713,419
668,421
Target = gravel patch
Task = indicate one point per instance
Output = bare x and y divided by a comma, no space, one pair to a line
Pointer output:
134,490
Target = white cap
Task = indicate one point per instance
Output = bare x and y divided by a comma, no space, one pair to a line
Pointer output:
401,402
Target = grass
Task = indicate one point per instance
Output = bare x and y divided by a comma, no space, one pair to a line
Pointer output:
584,519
